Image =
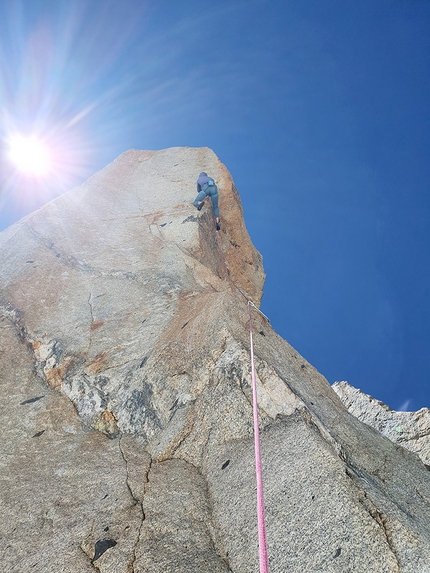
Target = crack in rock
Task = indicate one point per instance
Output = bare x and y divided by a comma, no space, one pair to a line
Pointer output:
68,260
381,519
73,263
90,304
138,497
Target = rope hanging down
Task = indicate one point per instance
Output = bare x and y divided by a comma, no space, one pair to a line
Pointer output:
262,544
264,565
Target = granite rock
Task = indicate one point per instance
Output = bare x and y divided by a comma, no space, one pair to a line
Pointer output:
408,429
127,410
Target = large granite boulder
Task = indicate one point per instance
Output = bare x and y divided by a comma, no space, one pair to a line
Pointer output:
127,415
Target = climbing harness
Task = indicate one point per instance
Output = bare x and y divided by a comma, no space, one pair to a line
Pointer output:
262,544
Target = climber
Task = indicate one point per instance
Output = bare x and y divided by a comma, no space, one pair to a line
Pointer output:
206,188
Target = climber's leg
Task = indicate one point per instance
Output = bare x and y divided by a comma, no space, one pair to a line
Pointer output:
198,202
214,199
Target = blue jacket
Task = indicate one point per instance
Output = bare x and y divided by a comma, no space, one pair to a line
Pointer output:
202,180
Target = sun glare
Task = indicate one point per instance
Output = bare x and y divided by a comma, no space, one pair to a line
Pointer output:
30,155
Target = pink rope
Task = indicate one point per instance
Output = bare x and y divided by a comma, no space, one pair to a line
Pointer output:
262,543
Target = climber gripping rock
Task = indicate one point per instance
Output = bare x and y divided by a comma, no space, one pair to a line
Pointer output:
206,188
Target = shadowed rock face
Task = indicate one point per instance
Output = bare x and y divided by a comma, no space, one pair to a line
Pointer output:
125,379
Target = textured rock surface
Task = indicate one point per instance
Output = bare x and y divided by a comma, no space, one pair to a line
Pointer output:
409,429
113,299
63,488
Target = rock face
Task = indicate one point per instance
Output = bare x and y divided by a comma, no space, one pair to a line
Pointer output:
409,429
127,416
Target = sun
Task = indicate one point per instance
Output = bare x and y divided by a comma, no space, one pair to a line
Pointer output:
30,155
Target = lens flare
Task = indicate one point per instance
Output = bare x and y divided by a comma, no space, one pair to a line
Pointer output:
64,113
30,155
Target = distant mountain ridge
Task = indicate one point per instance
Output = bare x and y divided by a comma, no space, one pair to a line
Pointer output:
409,429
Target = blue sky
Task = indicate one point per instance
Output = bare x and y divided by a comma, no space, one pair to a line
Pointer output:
320,110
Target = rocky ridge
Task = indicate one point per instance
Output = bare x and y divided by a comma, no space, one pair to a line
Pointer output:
409,429
125,380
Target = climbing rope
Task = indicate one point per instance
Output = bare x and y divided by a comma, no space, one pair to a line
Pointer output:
262,545
264,565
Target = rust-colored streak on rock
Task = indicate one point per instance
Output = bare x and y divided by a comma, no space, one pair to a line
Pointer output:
99,363
96,325
55,376
243,260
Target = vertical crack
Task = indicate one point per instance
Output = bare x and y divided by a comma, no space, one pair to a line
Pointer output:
381,519
85,549
127,479
90,304
136,500
90,298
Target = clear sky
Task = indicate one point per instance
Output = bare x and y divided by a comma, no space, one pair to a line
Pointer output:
319,109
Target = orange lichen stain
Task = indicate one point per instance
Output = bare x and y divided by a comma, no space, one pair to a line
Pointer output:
36,344
108,416
55,376
98,363
105,422
95,325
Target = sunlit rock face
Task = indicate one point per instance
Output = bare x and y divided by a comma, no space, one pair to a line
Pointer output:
125,378
409,429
